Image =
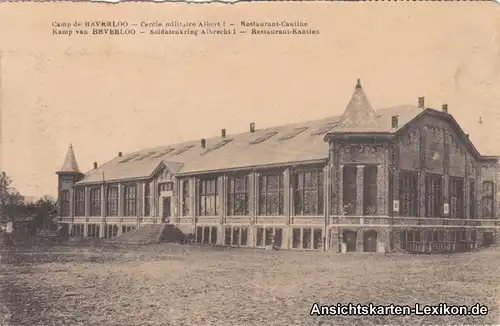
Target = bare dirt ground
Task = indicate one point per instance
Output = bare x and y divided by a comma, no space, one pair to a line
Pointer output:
186,285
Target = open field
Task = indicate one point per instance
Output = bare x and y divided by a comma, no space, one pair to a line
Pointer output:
187,285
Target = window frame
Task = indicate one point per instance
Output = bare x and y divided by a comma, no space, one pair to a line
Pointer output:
301,191
79,202
130,199
209,193
266,195
65,203
234,195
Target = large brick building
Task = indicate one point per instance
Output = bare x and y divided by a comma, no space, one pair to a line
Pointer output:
404,178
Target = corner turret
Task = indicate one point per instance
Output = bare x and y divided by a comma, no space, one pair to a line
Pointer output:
68,175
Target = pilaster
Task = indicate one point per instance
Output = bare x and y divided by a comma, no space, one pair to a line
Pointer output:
221,208
327,197
142,198
340,192
253,209
359,189
151,200
421,193
446,193
160,207
71,209
333,177
103,212
87,201
138,207
120,207
155,197
496,193
180,185
86,193
446,173
253,196
192,199
287,205
479,191
466,191
421,174
381,190
194,196
224,201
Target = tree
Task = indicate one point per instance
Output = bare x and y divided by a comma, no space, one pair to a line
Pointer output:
46,211
10,199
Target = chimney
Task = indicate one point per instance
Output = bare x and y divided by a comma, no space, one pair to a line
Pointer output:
223,133
394,121
203,143
467,135
252,127
421,102
445,108
120,154
95,165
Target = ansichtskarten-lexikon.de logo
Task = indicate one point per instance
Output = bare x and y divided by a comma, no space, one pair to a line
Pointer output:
442,309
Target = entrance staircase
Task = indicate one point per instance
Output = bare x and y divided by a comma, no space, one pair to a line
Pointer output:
146,234
150,234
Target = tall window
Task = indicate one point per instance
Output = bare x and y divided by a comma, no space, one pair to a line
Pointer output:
487,200
237,195
130,203
472,204
186,197
112,201
147,199
79,202
209,197
308,192
370,190
271,194
350,194
433,195
456,197
408,194
95,202
64,203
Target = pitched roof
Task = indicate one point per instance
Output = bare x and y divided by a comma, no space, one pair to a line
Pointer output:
288,144
482,134
298,142
114,170
70,164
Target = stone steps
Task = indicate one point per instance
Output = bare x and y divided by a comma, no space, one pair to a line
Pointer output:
146,234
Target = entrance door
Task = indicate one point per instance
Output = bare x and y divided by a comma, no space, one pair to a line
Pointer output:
370,241
350,240
166,208
488,239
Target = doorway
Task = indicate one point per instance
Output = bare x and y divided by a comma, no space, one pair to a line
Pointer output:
350,240
370,241
166,208
488,239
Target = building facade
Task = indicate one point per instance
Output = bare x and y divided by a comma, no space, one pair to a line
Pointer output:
399,178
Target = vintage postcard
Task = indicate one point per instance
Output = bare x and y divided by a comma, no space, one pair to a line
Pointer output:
249,163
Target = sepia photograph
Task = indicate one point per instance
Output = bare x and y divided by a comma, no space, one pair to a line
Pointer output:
250,163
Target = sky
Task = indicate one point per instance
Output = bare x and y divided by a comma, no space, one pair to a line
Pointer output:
106,94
